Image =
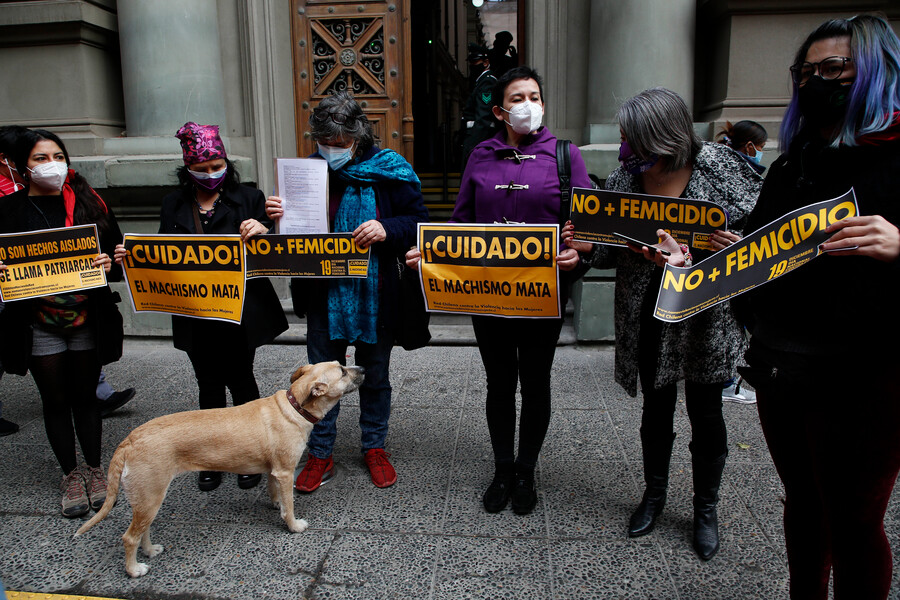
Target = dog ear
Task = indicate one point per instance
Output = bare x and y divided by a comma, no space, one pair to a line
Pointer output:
319,388
299,373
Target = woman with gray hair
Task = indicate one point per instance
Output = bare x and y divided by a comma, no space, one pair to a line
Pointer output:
661,155
376,195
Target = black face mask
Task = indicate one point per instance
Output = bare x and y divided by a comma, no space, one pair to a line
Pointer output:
823,102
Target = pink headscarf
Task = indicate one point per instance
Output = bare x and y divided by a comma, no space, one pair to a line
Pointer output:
200,143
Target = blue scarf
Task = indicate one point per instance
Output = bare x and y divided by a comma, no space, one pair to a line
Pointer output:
353,302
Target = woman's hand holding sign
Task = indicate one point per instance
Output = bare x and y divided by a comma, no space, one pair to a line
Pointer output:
413,256
103,260
667,251
120,253
870,235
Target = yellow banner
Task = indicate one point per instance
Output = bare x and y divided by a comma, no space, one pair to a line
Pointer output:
49,261
504,270
191,275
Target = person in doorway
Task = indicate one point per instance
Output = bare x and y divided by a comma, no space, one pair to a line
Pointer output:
477,117
375,195
63,339
828,394
661,155
516,350
503,54
211,200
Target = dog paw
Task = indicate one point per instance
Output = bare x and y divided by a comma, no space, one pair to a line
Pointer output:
298,526
154,550
139,570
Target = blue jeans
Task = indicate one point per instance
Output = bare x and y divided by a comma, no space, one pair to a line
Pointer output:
374,394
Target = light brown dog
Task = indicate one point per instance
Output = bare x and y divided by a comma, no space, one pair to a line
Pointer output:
264,436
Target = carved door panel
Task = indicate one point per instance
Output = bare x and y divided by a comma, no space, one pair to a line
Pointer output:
361,46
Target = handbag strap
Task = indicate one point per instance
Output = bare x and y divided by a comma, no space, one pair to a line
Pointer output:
564,170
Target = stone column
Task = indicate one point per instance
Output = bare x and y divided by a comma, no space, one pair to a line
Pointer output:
171,65
637,45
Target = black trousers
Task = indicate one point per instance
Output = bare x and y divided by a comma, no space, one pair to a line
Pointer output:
222,359
709,437
517,351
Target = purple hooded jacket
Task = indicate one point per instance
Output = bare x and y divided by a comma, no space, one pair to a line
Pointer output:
493,162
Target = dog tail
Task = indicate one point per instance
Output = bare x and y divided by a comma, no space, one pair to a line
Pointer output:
116,465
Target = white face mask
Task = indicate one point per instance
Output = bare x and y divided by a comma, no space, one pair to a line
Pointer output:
525,117
50,175
336,156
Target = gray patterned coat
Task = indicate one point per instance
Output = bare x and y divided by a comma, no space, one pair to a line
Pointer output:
706,347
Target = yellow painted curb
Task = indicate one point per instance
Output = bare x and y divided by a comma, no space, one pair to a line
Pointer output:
40,596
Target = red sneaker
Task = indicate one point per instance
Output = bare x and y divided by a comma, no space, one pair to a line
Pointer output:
316,472
383,474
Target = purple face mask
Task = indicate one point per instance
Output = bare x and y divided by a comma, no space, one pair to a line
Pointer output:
632,163
209,181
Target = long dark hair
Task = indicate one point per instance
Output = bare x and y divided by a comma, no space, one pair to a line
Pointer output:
89,208
875,93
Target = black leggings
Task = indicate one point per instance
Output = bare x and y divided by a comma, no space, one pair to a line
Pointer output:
68,385
517,350
221,359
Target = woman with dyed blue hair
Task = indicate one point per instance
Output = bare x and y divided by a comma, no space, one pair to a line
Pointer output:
828,395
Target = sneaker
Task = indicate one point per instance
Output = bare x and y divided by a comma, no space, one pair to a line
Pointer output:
316,472
738,394
96,486
7,427
74,498
116,401
383,474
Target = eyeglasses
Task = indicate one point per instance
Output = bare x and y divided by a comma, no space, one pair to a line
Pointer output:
830,68
341,119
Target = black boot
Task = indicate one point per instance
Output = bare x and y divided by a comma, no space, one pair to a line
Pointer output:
656,455
496,497
707,478
524,496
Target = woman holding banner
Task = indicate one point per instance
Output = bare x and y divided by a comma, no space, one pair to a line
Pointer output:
63,339
819,333
211,200
376,195
662,155
512,177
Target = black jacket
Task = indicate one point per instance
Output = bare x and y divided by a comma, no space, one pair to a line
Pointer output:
263,318
17,214
834,304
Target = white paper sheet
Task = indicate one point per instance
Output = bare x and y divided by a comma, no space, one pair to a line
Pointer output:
303,188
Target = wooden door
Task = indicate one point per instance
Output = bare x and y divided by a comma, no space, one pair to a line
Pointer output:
361,46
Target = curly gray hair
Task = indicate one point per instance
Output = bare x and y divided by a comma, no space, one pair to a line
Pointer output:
340,117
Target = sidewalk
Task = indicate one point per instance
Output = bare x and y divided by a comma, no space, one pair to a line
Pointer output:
425,537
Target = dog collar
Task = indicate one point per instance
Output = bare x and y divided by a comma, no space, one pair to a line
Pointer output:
303,412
